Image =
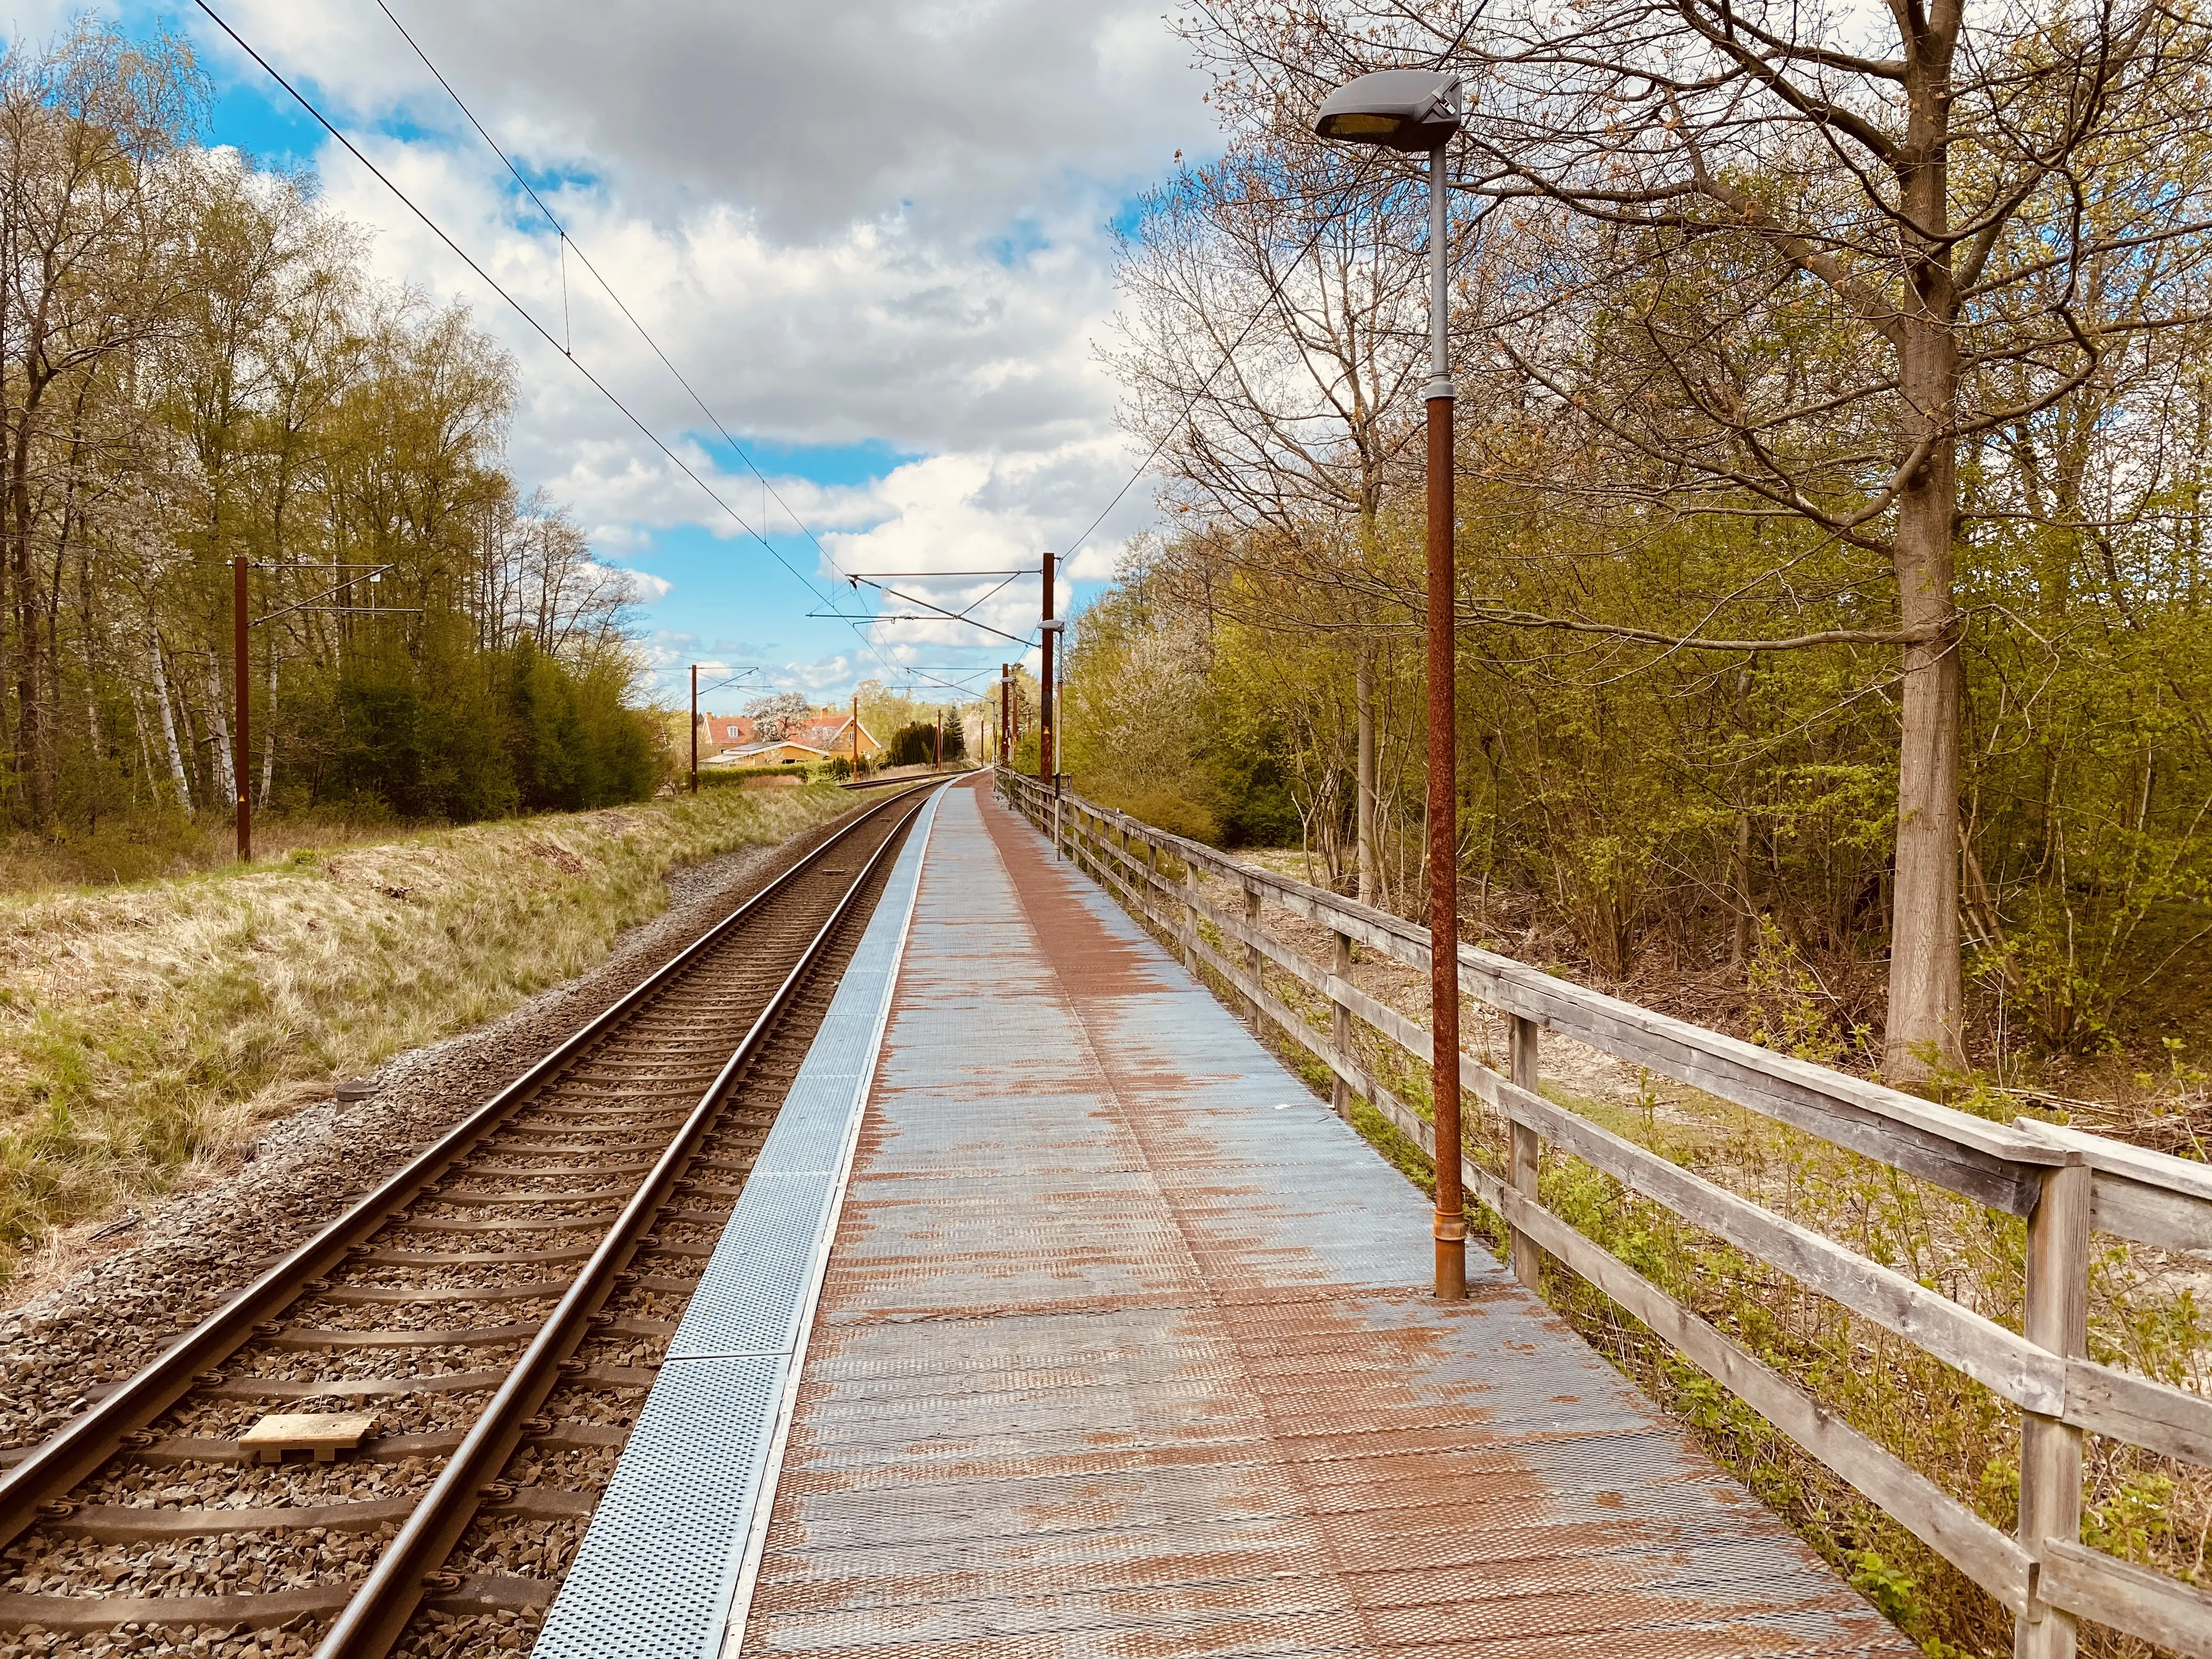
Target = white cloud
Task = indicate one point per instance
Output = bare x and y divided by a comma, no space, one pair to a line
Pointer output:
854,221
645,588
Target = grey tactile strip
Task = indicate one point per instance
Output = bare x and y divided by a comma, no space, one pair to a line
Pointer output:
666,1555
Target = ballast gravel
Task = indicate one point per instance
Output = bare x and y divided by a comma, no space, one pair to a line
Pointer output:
62,1349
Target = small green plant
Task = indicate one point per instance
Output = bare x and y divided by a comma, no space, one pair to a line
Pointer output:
1889,1588
1785,1008
2136,1513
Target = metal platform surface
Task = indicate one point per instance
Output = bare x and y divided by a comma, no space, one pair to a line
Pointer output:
667,1554
1124,1349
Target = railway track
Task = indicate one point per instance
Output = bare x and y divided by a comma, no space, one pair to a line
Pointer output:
460,1355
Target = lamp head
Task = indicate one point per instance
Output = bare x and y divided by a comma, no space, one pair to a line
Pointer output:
1400,109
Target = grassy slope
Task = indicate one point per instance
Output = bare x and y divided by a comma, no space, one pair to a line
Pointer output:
143,1027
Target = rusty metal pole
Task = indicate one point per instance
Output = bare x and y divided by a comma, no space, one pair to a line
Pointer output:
241,766
695,728
1048,767
1450,1230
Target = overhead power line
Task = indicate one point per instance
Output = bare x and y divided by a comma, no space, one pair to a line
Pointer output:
568,241
493,283
513,304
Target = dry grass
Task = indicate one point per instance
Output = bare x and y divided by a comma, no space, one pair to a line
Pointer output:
155,843
144,1027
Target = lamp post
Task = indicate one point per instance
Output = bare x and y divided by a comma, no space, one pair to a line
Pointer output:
1418,110
695,728
1048,759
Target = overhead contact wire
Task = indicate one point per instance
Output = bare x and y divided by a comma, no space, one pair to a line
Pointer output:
643,333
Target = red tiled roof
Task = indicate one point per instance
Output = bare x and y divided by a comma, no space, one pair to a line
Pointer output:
725,729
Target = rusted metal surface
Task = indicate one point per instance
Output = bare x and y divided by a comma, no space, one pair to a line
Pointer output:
1449,1220
1127,1347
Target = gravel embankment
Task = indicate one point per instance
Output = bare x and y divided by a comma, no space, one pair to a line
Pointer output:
191,1251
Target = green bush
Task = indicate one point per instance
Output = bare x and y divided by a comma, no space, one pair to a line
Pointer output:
449,731
722,776
913,745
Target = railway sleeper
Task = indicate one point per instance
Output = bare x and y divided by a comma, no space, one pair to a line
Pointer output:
416,1224
478,1195
529,1289
119,1523
77,1615
475,1258
339,1388
171,1451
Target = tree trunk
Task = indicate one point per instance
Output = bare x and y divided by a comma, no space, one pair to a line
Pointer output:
1926,1002
269,731
1365,682
1746,912
1739,879
226,776
145,748
31,756
169,730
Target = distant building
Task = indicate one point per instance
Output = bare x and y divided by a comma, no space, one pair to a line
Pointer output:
831,730
731,740
718,732
784,753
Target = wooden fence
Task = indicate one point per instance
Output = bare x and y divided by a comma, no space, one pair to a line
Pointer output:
2064,1183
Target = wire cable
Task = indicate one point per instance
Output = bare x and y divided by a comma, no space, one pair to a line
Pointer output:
600,386
568,241
493,283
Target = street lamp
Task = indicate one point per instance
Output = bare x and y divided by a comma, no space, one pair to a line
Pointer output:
1417,110
1049,732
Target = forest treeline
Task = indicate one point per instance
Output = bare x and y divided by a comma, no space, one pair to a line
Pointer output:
1834,419
195,366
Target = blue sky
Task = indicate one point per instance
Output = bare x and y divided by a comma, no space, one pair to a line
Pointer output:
890,294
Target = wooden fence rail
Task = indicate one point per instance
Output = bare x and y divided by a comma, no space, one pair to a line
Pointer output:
2064,1183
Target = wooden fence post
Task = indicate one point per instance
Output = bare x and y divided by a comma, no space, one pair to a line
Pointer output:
1252,958
1190,915
2056,1318
1339,1029
1528,1149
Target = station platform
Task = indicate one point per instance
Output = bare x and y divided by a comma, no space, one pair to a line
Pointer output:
1121,1345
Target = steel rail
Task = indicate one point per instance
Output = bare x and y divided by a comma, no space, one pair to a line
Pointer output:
66,1459
378,1615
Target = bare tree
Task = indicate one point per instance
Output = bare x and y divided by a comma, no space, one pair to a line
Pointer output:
1273,340
84,278
1782,262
